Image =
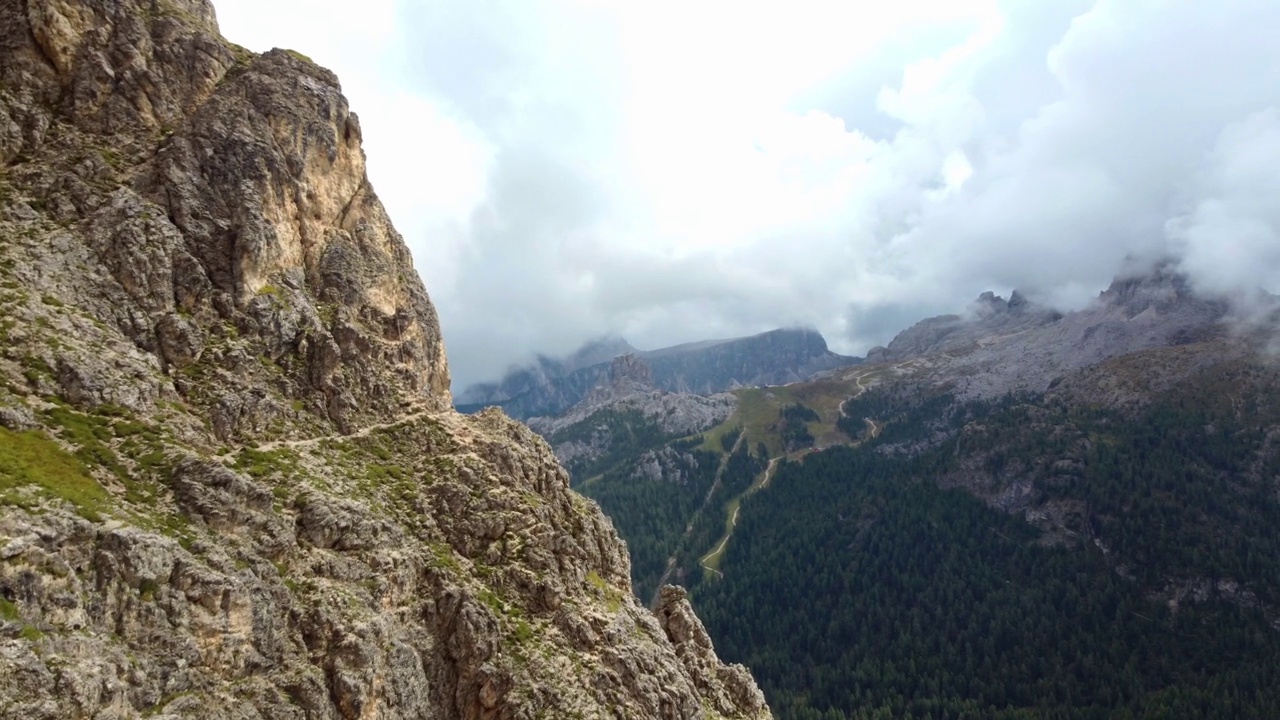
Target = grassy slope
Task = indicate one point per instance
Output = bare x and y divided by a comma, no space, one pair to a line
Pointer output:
758,413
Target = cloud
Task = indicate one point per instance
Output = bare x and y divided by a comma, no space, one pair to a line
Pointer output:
1230,241
672,171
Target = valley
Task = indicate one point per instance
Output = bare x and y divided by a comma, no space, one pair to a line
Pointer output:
240,478
906,526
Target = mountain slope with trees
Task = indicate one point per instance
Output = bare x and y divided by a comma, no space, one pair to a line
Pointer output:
1027,556
1010,513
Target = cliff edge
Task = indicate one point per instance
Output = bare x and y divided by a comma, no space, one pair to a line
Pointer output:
231,484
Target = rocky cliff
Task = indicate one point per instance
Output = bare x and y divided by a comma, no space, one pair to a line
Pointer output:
231,484
703,368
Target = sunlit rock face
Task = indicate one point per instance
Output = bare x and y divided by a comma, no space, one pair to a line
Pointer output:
231,481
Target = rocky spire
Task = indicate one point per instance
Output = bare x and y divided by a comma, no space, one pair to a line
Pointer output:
629,369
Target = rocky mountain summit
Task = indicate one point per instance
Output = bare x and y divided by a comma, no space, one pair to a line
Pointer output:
703,368
990,315
231,481
1017,345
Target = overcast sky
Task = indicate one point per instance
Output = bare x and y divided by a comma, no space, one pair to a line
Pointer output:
675,170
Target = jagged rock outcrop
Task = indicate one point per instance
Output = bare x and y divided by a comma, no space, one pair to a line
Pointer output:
664,464
729,687
1017,346
584,432
231,483
989,316
703,368
630,369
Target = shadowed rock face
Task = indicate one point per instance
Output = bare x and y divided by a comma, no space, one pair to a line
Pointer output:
231,481
774,358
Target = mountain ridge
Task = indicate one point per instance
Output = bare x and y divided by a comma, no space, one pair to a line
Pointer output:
1020,345
1099,483
706,367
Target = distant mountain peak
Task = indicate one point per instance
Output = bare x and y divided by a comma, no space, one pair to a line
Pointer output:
999,346
553,386
1160,287
601,349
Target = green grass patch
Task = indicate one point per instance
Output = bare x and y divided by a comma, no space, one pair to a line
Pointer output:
8,610
492,601
597,582
172,525
92,435
35,368
33,458
758,410
612,596
170,9
262,464
328,313
129,428
111,157
444,557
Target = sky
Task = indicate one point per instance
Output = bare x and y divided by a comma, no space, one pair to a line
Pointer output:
672,171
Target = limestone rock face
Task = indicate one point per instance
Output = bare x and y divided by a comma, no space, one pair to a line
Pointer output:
222,196
730,687
231,482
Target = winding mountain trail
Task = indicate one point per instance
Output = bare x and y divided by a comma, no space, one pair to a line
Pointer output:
688,529
874,427
711,559
768,471
274,445
362,432
736,503
733,523
861,389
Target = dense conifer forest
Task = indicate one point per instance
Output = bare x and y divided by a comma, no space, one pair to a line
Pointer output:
866,583
1033,556
860,586
661,519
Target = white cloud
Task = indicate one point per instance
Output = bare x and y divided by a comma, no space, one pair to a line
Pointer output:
680,170
1230,241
